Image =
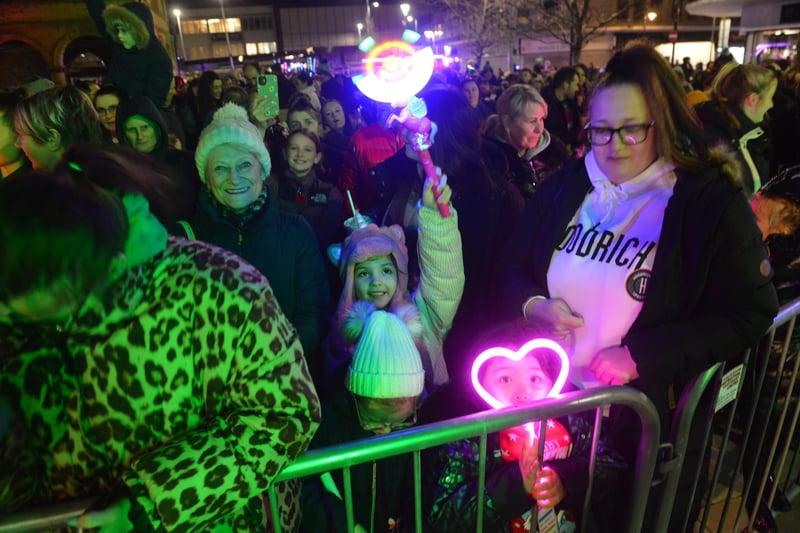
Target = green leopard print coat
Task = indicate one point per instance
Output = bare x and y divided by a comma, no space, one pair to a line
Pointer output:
185,385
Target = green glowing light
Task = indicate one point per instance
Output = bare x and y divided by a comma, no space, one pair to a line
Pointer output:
367,44
410,36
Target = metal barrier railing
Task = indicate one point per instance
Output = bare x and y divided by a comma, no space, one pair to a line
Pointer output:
745,425
480,425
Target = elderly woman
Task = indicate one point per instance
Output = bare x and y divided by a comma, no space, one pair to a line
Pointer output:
741,95
641,257
517,130
109,384
236,211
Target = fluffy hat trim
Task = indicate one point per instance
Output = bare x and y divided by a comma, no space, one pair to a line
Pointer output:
138,27
357,316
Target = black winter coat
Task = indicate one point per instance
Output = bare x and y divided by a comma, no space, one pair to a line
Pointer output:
146,70
748,142
283,248
710,295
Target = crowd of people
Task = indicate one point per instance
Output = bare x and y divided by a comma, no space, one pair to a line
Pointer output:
171,254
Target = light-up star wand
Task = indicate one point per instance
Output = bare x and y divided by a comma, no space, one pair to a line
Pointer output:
394,72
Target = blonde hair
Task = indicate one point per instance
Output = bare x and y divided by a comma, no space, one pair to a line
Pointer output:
67,110
512,103
734,82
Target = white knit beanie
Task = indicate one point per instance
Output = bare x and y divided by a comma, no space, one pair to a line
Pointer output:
386,362
231,126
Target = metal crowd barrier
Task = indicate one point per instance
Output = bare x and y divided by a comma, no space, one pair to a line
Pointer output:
768,375
423,437
753,430
480,425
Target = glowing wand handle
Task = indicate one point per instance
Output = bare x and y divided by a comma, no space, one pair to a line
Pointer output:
430,171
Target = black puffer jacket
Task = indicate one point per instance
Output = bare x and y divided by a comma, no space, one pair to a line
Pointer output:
145,70
748,141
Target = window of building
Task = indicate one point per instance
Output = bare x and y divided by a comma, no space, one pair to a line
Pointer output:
261,48
194,27
264,23
217,26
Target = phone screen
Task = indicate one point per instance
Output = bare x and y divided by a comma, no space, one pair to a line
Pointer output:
268,88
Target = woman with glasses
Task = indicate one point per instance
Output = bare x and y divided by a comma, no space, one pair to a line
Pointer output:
641,257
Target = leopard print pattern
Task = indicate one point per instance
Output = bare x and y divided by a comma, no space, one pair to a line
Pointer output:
185,382
290,505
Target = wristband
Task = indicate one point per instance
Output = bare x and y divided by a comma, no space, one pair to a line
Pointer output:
529,300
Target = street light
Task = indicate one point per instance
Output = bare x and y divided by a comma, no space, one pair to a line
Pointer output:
412,19
177,13
359,27
227,37
651,16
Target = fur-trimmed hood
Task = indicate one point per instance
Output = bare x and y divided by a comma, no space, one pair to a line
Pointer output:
138,18
729,165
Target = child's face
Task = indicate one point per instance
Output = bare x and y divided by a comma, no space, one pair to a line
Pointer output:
516,382
376,281
301,154
333,114
382,416
125,36
302,120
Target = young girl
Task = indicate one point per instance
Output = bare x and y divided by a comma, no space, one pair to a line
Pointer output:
300,190
374,267
517,480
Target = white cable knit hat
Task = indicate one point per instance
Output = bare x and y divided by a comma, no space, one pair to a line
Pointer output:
231,126
386,362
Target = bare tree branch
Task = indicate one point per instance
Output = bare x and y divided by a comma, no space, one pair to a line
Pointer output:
572,22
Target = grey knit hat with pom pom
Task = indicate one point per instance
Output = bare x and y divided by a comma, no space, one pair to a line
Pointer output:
231,126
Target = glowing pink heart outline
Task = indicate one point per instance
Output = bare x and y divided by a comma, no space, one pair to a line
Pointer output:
524,350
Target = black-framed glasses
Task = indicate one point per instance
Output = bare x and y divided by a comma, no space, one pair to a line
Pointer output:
629,134
372,425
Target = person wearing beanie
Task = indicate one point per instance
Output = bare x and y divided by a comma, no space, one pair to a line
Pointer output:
374,267
140,65
383,384
235,211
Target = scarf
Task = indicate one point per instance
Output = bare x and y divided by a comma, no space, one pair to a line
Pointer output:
239,218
